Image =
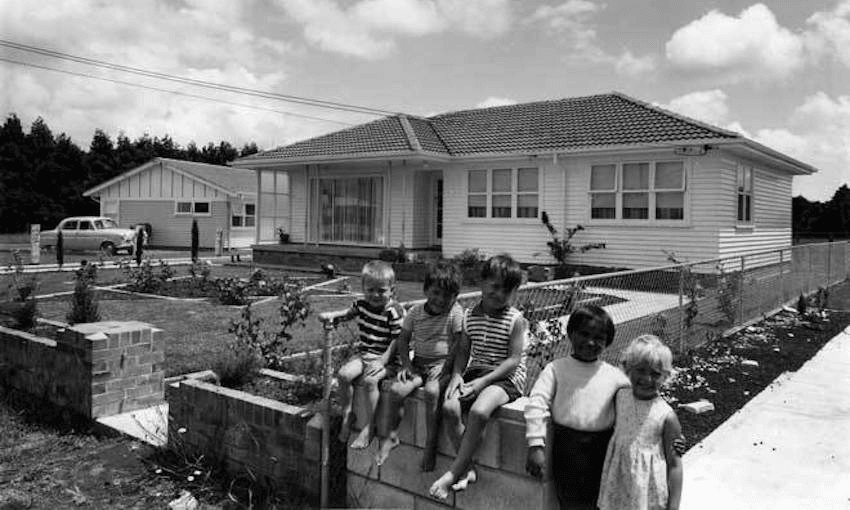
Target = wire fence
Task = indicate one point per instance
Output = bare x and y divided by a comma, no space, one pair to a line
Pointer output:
685,304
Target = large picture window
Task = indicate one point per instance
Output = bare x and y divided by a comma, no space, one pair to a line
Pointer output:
349,209
745,194
638,191
192,208
274,205
503,193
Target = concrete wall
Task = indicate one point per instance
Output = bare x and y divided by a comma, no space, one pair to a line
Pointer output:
96,369
502,481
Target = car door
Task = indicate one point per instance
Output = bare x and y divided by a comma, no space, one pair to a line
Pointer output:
69,234
86,238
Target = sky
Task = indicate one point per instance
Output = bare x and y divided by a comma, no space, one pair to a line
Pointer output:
777,72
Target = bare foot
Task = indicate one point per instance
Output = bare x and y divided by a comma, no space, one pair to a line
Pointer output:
440,488
429,461
463,483
363,439
385,446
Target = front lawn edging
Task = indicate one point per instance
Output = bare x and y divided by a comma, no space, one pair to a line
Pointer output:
277,446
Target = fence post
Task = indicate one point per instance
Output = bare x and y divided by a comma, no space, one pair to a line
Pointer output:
681,308
328,326
741,293
35,243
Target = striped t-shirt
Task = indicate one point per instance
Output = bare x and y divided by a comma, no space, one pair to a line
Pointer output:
490,339
431,333
378,328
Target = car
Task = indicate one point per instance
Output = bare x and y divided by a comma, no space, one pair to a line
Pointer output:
90,233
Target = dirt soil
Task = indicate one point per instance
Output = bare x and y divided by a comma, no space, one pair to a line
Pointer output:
44,466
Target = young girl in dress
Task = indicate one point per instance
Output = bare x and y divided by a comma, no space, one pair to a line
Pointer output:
642,471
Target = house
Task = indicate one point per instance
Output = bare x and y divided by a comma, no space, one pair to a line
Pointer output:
641,179
168,194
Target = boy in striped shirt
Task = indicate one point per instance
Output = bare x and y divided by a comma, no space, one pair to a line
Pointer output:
379,318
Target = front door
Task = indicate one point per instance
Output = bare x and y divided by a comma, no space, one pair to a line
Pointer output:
437,233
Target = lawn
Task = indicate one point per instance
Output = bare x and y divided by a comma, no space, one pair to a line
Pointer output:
196,331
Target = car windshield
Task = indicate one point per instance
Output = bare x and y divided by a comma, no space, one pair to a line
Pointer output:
109,224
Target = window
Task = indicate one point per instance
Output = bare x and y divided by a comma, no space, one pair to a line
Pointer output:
349,209
196,208
70,225
86,225
637,191
503,193
274,207
745,194
244,217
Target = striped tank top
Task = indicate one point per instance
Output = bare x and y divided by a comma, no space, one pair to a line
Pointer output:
489,338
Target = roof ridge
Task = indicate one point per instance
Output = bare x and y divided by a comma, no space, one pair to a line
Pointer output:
679,116
412,139
515,105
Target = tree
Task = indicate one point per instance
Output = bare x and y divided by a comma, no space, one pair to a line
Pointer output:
194,240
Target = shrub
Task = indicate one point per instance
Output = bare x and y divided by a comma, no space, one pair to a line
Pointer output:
84,306
245,359
140,238
561,248
200,275
143,278
22,307
232,290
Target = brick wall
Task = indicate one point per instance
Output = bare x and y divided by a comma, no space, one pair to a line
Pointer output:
279,444
96,369
502,482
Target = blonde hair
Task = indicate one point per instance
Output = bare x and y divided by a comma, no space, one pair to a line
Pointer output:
648,349
378,270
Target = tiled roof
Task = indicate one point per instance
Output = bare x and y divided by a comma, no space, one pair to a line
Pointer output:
235,180
605,120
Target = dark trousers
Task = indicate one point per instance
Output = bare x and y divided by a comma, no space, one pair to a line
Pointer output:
577,460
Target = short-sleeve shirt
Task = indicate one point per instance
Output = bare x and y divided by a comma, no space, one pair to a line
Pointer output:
378,328
431,333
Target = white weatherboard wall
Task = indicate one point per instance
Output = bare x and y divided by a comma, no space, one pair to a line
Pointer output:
708,231
150,196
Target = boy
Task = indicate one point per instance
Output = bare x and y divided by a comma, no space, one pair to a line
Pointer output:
434,327
379,319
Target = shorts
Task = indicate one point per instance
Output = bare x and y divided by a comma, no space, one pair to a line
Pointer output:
577,460
390,369
509,388
430,370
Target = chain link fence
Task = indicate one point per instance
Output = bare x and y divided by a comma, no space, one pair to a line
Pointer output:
685,304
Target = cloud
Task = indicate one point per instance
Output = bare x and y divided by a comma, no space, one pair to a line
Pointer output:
751,46
368,29
830,33
709,106
495,101
217,41
630,65
571,23
818,133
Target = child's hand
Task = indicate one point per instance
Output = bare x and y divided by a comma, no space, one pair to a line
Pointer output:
470,389
374,367
453,388
680,445
535,461
404,375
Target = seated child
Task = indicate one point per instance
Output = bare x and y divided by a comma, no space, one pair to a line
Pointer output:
434,328
493,342
642,470
577,392
379,319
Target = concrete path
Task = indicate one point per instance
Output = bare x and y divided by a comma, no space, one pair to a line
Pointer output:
788,448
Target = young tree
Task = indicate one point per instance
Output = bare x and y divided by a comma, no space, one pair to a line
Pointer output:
84,307
195,236
60,249
140,241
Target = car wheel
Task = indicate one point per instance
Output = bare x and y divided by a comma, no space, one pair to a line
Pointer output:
107,248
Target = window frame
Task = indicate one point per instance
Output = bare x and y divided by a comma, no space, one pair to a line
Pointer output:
652,191
192,208
514,194
243,216
742,192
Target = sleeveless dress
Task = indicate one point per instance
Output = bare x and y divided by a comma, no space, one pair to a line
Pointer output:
634,476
